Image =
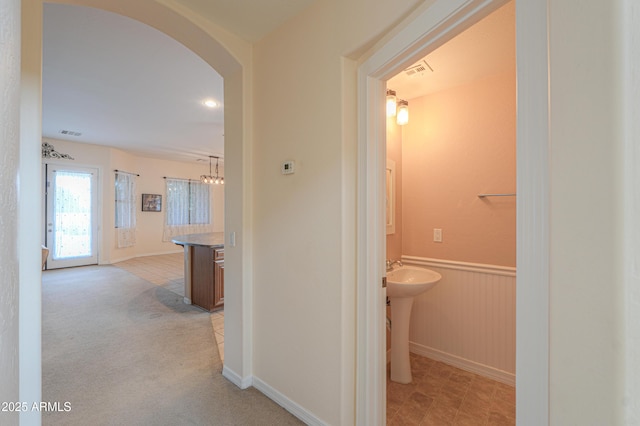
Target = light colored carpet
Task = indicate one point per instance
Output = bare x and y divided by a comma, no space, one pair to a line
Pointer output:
166,270
123,351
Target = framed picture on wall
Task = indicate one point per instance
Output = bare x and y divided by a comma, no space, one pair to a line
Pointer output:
151,202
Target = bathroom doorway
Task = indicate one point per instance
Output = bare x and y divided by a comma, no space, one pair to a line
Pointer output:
425,32
455,214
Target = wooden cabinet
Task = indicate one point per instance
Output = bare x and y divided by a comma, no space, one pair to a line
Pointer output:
207,279
218,278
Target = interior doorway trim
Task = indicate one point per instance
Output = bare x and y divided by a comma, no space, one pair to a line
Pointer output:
431,28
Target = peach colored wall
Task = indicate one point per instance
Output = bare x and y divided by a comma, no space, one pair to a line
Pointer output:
460,143
394,152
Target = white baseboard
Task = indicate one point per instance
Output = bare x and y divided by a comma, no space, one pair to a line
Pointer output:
280,399
180,250
119,259
464,364
233,377
274,395
122,259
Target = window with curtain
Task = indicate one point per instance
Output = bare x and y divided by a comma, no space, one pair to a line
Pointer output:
188,208
125,209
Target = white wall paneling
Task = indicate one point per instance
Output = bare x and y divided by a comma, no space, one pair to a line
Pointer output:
468,319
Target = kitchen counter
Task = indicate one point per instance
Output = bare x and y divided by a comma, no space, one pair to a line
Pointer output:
203,269
210,239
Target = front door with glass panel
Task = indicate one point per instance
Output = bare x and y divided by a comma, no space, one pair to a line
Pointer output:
71,219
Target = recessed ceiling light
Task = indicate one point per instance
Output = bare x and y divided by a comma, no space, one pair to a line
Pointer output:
210,103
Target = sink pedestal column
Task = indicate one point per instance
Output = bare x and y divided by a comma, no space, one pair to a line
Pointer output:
400,315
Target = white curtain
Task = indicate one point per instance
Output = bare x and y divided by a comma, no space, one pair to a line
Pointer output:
188,208
125,209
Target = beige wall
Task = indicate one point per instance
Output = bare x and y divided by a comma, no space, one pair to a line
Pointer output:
460,143
150,225
587,290
303,299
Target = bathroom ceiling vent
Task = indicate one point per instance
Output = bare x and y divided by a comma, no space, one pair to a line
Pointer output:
418,69
70,133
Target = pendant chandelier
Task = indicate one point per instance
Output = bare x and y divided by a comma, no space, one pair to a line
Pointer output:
210,179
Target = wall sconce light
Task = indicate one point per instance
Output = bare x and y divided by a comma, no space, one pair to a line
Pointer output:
218,180
397,108
391,103
402,116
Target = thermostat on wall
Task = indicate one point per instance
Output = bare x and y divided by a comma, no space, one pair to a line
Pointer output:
288,167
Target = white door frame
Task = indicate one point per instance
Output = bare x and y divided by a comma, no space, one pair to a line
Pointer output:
96,216
429,29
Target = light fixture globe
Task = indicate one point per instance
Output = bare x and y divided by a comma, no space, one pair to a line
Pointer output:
391,103
402,117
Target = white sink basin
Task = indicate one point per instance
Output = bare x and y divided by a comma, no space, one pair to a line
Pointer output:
403,284
409,281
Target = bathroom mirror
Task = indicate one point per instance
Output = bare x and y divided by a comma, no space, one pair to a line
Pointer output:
390,196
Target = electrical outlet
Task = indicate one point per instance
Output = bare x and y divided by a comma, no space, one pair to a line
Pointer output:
437,235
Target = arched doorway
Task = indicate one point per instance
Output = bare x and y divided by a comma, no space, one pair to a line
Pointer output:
229,60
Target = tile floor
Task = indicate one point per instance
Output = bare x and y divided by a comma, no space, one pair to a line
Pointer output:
439,394
167,270
444,395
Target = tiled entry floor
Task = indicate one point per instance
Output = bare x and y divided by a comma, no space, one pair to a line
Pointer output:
444,395
167,270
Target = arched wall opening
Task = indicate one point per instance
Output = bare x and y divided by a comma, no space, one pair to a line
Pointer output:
230,57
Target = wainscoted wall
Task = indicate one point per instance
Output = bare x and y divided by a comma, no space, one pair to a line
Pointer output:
468,319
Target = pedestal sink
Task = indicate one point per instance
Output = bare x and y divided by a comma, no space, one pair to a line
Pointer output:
403,284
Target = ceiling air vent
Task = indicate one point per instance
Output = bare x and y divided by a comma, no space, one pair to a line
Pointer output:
419,68
70,133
